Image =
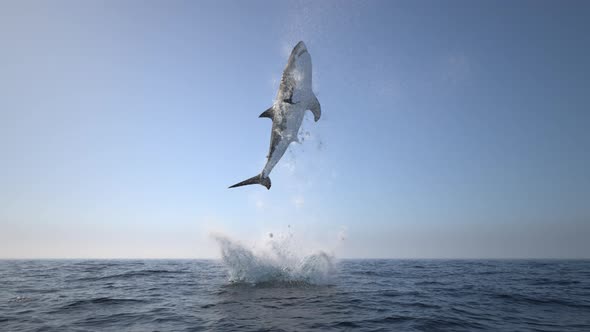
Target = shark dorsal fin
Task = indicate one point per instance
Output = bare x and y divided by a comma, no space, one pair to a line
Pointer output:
269,113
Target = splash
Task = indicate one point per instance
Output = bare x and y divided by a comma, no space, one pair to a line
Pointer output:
277,263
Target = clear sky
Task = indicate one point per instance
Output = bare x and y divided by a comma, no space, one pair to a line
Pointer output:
449,129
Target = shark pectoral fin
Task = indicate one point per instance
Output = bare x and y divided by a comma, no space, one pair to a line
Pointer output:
315,108
269,113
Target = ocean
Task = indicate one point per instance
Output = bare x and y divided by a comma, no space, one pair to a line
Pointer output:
354,295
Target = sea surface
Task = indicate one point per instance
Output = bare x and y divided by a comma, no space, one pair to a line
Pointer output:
352,295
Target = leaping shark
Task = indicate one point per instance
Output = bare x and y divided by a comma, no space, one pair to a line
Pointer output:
293,99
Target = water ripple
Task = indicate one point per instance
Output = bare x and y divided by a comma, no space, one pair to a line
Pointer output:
364,295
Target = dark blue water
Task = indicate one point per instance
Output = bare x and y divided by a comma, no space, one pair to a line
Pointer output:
363,295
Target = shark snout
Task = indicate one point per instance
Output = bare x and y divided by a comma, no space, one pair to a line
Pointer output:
300,48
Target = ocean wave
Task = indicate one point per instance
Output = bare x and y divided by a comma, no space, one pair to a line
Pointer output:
529,300
102,301
199,297
20,299
130,274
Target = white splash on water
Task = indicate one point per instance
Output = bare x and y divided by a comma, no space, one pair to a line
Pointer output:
277,262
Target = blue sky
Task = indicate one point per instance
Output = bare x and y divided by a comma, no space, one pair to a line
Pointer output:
449,129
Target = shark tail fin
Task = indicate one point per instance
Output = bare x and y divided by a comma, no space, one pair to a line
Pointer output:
258,179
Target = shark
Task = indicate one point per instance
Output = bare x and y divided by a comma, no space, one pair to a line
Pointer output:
293,99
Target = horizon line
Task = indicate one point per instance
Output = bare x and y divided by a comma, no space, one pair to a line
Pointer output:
343,258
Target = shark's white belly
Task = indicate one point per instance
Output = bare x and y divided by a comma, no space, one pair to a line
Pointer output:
292,117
